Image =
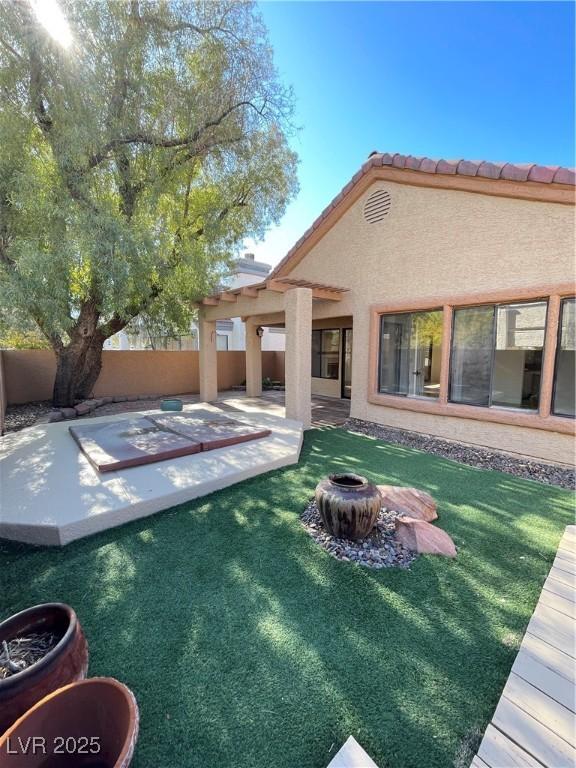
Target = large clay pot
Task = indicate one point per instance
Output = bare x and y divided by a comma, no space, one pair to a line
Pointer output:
348,504
65,663
89,724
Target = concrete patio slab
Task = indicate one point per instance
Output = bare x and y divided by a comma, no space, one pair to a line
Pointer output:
351,755
50,494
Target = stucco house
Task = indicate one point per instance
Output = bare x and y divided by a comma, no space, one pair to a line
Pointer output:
437,295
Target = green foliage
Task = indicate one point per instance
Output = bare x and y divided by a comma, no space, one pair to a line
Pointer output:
15,339
134,163
427,325
247,645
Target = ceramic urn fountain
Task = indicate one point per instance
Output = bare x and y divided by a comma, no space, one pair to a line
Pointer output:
348,504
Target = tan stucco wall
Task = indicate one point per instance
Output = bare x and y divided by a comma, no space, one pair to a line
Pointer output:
29,374
436,244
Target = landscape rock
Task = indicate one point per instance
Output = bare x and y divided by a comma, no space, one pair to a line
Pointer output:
409,501
474,456
69,413
55,416
119,399
82,409
107,399
424,538
380,549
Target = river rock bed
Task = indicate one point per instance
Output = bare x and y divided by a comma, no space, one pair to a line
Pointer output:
380,549
481,458
25,415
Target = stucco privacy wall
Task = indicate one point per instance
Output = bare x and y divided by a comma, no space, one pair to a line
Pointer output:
435,244
29,374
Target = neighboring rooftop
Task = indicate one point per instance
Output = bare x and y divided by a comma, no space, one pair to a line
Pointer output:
248,265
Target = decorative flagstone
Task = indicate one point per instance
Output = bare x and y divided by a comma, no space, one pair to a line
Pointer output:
424,538
409,501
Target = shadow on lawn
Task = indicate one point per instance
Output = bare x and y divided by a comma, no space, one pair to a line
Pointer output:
247,645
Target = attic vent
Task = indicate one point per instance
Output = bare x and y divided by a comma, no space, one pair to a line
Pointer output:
377,206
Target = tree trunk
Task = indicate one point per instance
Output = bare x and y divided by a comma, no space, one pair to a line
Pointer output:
77,369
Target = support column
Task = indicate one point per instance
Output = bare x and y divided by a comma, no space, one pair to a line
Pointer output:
253,359
207,358
298,309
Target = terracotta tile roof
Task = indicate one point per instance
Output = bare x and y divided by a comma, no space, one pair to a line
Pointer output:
546,174
517,172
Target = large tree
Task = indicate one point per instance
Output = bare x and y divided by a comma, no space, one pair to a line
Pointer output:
132,165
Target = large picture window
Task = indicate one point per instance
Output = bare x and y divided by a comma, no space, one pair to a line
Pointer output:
497,355
565,371
410,351
325,354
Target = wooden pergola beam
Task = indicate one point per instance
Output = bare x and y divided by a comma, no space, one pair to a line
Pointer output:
324,294
277,286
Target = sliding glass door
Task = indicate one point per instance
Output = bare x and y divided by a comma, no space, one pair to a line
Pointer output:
410,347
347,363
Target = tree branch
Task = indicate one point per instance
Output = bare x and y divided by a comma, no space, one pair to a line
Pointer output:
165,142
13,51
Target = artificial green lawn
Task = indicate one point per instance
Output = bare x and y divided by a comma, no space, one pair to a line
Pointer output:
248,646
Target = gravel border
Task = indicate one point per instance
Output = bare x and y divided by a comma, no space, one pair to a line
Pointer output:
482,458
26,415
380,549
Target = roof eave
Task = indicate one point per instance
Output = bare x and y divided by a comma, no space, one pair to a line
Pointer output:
453,177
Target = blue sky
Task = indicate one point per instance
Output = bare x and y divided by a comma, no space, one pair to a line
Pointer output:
479,80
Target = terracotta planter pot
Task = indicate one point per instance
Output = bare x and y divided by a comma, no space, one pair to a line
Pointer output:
65,663
348,504
89,724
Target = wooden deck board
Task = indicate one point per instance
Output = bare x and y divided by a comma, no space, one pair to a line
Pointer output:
560,588
553,627
545,679
566,553
497,751
566,565
559,603
551,657
563,576
539,741
541,707
534,724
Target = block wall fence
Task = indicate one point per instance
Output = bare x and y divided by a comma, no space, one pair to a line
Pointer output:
28,375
